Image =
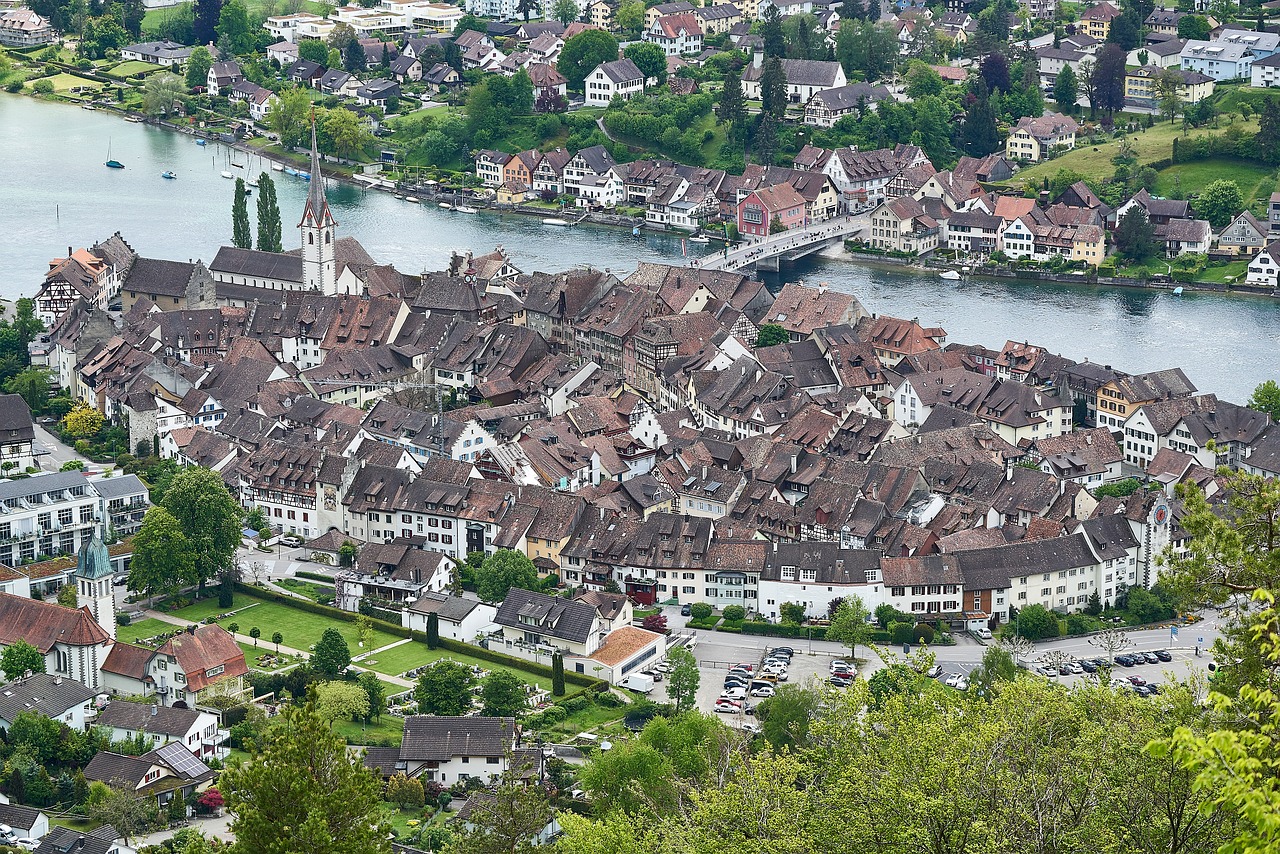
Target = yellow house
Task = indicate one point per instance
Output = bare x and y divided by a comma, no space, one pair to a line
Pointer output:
1142,85
718,17
1096,20
512,193
1089,244
600,14
1033,137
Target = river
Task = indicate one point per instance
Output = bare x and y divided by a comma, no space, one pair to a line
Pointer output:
57,193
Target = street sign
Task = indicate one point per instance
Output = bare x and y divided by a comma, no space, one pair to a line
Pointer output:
1199,640
1173,631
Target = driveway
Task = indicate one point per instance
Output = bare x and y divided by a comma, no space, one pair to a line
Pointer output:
56,452
211,827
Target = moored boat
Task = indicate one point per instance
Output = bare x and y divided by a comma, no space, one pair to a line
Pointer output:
553,220
226,174
949,275
169,175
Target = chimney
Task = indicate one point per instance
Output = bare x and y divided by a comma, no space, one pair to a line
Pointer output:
757,60
704,472
57,680
794,460
155,710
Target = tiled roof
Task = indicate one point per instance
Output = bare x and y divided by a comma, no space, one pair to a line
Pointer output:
202,650
565,619
142,717
45,693
441,737
43,624
622,644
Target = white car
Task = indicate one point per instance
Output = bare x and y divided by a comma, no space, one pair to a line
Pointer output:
952,680
763,691
840,664
26,843
728,707
1075,668
733,694
962,684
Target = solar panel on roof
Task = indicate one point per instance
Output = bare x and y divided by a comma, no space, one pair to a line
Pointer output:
181,760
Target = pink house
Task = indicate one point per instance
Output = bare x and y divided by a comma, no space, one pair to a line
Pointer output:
759,208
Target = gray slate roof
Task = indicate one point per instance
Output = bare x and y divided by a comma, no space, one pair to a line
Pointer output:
451,608
441,737
140,717
49,695
256,265
558,618
15,419
119,487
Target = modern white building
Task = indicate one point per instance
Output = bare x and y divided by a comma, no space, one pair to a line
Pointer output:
456,618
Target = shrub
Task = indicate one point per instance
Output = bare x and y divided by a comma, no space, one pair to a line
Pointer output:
45,87
735,614
609,700
701,610
553,715
923,633
575,704
123,619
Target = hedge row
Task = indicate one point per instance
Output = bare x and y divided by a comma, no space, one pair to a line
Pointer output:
791,630
399,631
315,576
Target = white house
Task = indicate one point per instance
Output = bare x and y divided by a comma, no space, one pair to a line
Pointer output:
1219,60
620,78
1265,265
457,618
805,77
447,750
57,697
194,729
677,34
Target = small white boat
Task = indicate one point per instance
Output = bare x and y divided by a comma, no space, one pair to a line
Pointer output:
949,275
555,220
226,174
276,167
413,199
700,239
1177,292
398,196
237,165
446,206
88,107
134,119
252,183
466,209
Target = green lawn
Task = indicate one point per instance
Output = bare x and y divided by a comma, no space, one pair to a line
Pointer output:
413,654
1149,144
65,82
153,18
301,629
309,589
1187,179
1235,272
591,718
132,68
144,629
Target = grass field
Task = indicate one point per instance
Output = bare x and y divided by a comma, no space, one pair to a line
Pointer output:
154,17
1255,180
309,589
1150,145
132,68
301,629
65,82
413,654
144,629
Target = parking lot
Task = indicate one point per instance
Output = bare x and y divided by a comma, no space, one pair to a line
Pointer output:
715,660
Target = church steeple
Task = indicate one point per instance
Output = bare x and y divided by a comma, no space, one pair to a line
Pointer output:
319,266
93,582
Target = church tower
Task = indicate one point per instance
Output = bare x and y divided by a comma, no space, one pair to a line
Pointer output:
93,583
319,267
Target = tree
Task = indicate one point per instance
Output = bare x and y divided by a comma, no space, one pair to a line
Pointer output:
364,631
67,596
83,421
1135,236
205,23
629,17
433,630
1266,143
771,34
997,667
277,638
376,694
503,570
33,385
341,700
122,806
849,626
353,58
20,657
785,717
1193,27
1266,398
1169,93
288,114
764,148
304,792
979,134
198,65
649,58
349,134
444,688
163,559
565,11
1112,642
209,516
1035,622
347,554
995,72
922,80
1125,32
241,235
1108,79
1094,608
731,110
504,695
269,226
332,655
557,675
683,679
582,53
405,792
770,335
509,817
1066,89
655,623
161,92
234,32
773,88
1219,202
792,613
314,50
255,633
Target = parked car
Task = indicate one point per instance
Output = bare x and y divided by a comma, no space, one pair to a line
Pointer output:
728,706
686,610
1064,670
734,693
1075,667
1124,661
1163,655
1142,690
763,691
952,679
934,672
1153,689
750,668
1046,670
782,650
1137,680
1151,657
985,634
840,681
749,726
962,684
1089,667
840,664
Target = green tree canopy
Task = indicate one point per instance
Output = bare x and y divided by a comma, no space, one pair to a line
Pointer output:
683,679
1219,202
504,695
503,570
198,66
234,32
304,792
582,53
650,58
332,655
209,516
1136,236
241,232
163,558
444,688
1266,398
19,657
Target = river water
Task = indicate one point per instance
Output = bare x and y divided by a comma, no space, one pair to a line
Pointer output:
56,193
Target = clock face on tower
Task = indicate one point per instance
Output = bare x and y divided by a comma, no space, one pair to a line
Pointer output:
1162,513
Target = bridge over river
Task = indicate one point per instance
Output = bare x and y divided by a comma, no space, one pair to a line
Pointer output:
767,253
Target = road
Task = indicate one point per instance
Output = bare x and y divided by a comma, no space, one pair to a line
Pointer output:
56,452
745,254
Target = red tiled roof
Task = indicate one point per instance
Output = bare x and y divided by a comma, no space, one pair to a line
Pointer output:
201,651
42,624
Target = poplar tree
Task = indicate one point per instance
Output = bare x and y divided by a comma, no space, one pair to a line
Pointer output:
241,236
269,228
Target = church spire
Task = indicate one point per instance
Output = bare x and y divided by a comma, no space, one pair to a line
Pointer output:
316,214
